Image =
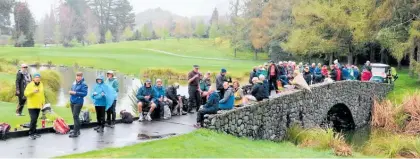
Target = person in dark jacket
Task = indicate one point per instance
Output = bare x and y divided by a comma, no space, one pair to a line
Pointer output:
282,74
317,76
266,86
172,94
258,91
193,89
307,75
23,78
273,71
252,74
211,107
78,92
146,96
220,79
333,73
207,79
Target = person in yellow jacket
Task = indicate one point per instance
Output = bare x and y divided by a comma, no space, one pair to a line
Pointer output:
34,93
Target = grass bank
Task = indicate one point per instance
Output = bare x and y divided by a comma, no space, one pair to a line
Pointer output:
208,144
404,86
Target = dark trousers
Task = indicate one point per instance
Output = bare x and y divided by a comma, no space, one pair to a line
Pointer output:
202,112
111,114
273,84
194,98
21,104
100,115
221,92
34,114
75,110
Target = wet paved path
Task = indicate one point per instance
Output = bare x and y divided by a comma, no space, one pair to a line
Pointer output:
52,145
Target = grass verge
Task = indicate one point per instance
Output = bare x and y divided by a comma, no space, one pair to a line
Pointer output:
207,144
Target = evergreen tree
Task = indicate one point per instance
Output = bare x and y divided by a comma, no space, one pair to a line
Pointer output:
24,25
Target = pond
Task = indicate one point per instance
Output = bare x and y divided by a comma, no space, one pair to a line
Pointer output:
127,84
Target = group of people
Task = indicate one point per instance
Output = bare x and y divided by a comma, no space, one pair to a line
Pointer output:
282,73
30,90
203,97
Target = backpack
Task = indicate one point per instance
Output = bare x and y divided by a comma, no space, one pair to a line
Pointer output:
184,103
126,117
4,129
60,126
85,117
166,112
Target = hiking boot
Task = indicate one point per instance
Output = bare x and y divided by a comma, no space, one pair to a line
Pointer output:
32,137
100,130
110,125
96,128
37,135
74,135
198,125
141,118
148,118
184,113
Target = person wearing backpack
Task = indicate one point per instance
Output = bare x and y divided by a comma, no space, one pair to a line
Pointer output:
103,97
23,78
110,113
78,92
34,93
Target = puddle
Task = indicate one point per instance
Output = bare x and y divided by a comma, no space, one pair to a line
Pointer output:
142,136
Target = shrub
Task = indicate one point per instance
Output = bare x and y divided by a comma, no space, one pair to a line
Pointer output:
383,115
7,92
50,96
51,79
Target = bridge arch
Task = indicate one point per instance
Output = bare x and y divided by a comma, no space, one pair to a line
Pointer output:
340,118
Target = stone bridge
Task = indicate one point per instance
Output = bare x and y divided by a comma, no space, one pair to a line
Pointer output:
344,104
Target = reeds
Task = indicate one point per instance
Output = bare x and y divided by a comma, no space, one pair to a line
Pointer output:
318,138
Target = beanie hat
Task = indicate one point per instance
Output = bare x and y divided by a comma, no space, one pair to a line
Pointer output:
37,75
223,70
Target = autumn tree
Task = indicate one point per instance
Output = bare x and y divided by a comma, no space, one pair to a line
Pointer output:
108,36
179,31
127,34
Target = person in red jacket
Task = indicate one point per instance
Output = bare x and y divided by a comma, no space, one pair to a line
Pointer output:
366,75
324,71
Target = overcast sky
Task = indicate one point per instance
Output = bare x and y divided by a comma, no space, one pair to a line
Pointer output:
181,7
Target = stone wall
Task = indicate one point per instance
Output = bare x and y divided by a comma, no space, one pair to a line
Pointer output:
270,119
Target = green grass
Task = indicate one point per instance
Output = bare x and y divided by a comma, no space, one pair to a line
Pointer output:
404,86
131,58
7,77
207,144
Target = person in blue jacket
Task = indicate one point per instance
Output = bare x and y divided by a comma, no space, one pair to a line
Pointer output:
160,99
211,107
345,73
317,76
110,113
78,92
228,100
266,86
102,96
146,96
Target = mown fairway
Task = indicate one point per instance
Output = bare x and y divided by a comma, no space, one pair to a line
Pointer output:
133,57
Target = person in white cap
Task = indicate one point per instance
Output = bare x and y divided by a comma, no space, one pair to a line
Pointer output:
23,78
111,114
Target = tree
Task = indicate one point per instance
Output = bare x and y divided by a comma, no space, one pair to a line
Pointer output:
259,31
214,17
200,29
137,35
146,32
179,31
163,33
214,32
92,38
24,25
6,7
108,36
127,33
124,17
57,35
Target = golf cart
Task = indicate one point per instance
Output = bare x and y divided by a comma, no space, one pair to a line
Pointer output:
383,73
